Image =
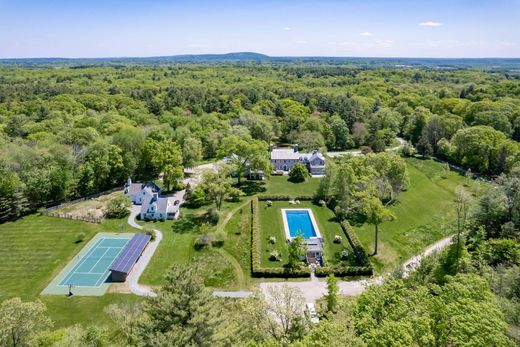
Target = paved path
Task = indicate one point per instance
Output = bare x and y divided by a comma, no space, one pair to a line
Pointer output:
315,289
133,278
355,153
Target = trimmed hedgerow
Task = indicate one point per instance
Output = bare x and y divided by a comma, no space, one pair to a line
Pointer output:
265,197
256,268
360,252
342,271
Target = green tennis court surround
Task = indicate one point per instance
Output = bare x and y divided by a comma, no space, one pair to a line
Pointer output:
89,271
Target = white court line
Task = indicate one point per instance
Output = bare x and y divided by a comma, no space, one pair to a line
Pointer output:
108,269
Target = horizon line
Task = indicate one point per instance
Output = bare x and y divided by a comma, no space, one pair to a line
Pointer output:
252,52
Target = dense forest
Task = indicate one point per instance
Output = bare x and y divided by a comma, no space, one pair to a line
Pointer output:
67,132
71,131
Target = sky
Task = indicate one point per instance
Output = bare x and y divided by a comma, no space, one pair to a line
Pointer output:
349,28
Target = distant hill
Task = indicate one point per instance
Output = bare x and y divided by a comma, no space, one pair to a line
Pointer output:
504,64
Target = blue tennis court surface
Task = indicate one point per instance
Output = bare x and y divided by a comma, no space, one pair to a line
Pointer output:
93,268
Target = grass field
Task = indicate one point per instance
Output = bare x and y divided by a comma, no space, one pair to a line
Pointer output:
220,269
35,248
424,214
271,224
281,185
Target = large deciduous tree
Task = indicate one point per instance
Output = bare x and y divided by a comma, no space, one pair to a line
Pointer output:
20,321
245,154
218,185
375,213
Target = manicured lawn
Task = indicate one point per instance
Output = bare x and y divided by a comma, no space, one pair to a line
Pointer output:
86,310
281,185
238,241
177,247
424,214
34,249
271,224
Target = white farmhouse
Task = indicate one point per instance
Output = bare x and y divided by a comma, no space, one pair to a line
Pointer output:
158,208
141,192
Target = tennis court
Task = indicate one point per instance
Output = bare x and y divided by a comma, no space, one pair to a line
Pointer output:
89,270
93,268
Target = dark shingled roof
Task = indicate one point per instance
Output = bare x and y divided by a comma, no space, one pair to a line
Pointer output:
130,254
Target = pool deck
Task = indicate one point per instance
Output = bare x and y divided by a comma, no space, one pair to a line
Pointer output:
311,216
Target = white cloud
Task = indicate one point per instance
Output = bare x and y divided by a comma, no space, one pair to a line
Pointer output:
287,28
430,24
301,42
366,33
384,43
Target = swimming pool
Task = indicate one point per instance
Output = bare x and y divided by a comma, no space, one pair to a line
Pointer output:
300,221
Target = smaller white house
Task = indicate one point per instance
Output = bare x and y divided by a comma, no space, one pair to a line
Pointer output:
141,192
158,208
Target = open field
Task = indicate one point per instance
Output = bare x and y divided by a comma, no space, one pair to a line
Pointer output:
220,269
281,185
271,224
35,248
424,214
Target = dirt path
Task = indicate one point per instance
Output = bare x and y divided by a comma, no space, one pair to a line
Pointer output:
355,153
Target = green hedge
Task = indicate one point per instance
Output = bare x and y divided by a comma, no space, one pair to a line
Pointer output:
274,197
342,271
256,252
356,245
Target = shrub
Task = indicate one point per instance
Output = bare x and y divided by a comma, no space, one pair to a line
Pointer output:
337,239
344,254
118,207
407,150
218,240
80,237
203,241
322,203
298,173
213,215
151,232
274,256
269,203
272,240
196,197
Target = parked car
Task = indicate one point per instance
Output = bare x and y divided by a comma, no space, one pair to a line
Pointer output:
311,311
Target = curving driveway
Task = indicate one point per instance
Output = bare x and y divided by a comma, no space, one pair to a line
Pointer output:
315,289
133,278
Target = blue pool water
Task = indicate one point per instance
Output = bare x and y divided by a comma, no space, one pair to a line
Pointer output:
300,221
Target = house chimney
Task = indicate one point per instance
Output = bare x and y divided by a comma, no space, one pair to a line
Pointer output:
271,147
295,147
155,196
129,181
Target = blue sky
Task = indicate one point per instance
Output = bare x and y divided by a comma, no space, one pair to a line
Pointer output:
377,28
